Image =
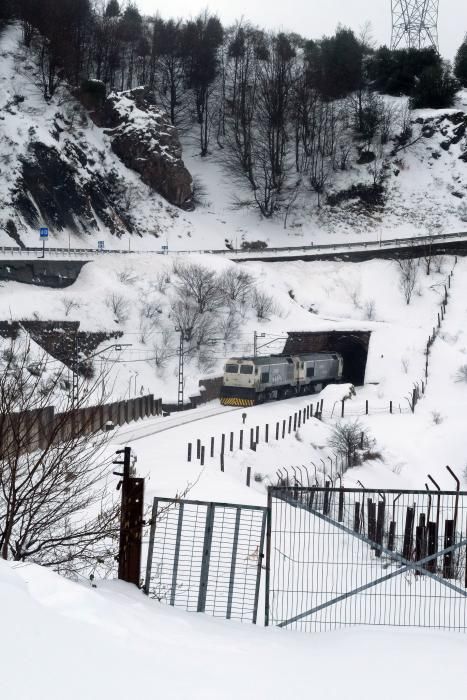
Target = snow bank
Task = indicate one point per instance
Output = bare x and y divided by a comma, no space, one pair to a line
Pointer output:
61,639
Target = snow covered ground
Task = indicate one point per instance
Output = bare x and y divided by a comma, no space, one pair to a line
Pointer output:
307,297
62,639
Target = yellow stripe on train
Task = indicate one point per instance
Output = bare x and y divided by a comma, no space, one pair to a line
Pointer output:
231,401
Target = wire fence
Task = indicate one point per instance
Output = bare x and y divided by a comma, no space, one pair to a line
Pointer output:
206,557
344,557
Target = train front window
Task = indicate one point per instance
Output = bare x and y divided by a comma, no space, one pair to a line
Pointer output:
246,369
231,369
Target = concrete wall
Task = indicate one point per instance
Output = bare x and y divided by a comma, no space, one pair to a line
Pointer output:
38,429
44,273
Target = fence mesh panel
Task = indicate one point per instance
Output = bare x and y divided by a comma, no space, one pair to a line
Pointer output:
206,557
342,557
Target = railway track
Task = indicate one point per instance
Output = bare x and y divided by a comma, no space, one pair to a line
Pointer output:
161,425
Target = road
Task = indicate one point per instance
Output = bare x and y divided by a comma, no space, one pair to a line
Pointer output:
443,242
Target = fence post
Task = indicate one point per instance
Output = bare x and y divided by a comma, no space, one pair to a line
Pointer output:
266,432
294,422
290,424
222,461
198,449
371,519
252,438
366,407
277,431
356,518
342,408
212,447
257,435
240,445
299,422
202,455
223,443
231,441
283,429
248,475
408,533
390,407
189,452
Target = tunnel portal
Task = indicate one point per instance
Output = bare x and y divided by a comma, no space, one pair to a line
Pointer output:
352,345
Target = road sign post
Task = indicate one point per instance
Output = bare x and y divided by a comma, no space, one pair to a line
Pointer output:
43,235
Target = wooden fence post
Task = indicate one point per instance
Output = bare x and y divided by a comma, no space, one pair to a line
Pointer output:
198,449
240,442
202,456
248,476
189,452
212,447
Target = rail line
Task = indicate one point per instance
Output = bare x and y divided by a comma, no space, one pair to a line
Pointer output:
160,425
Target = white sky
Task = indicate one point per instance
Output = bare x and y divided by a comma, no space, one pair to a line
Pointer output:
313,18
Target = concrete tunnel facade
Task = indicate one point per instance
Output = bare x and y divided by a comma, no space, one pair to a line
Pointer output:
352,345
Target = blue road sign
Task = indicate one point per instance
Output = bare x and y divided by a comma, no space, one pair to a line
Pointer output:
44,233
100,245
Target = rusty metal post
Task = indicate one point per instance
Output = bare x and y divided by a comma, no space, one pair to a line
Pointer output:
131,521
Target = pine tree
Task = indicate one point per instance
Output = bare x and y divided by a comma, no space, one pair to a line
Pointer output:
460,63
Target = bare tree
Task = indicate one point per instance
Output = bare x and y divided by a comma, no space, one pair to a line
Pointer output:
69,305
162,349
199,285
236,285
55,507
350,440
263,304
408,268
119,306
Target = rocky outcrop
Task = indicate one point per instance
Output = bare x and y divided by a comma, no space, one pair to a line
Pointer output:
145,140
59,188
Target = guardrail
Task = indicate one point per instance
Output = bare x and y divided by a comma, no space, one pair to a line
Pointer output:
37,252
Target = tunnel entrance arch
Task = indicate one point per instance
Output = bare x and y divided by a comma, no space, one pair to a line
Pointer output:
352,345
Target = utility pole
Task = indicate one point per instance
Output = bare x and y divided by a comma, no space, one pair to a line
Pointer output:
131,521
257,335
180,371
75,375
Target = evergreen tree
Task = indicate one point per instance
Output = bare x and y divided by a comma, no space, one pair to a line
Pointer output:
460,63
202,39
436,88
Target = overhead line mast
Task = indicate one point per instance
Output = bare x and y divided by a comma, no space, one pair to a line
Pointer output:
414,24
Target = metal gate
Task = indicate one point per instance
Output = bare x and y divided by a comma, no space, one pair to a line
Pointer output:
341,557
206,557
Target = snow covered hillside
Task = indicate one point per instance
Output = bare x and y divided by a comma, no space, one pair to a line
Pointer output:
424,180
143,299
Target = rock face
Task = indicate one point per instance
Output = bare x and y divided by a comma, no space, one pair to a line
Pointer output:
145,141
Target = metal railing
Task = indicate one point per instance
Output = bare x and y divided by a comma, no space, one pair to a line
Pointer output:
361,246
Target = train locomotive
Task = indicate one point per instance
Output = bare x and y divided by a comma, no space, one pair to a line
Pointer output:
249,381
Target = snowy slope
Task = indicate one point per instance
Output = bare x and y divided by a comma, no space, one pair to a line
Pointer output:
426,185
307,297
62,639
